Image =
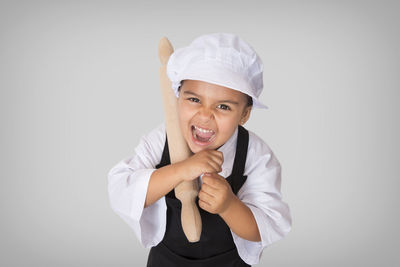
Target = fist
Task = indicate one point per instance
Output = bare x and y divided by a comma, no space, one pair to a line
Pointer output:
202,162
216,194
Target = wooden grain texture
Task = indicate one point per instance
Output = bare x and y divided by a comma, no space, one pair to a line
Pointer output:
186,191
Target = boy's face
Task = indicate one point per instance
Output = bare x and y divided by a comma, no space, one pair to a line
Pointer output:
210,113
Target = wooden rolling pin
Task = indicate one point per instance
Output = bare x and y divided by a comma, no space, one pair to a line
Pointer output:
186,191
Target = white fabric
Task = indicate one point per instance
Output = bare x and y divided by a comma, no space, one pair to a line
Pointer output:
219,58
128,181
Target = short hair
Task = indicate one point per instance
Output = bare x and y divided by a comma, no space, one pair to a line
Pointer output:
249,101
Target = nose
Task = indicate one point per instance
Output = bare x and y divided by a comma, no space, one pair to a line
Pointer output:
205,113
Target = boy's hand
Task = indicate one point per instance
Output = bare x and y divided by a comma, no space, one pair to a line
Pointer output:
202,162
216,194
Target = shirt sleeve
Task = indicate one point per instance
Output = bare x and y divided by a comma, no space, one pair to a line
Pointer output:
261,193
127,187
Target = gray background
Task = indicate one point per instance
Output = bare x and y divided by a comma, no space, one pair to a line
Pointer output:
79,86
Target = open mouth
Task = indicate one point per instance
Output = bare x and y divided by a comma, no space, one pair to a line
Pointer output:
202,136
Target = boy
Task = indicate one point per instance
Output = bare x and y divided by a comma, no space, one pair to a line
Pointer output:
217,80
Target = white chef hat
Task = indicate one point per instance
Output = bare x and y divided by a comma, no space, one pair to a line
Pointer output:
219,58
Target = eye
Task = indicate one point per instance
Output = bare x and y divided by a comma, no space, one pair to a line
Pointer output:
224,107
194,99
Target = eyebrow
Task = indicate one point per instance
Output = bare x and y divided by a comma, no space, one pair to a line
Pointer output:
187,92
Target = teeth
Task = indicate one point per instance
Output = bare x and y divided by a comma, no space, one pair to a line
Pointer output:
203,130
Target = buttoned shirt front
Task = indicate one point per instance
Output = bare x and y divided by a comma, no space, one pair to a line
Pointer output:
128,181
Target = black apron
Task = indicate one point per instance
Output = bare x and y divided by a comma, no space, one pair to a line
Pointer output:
216,247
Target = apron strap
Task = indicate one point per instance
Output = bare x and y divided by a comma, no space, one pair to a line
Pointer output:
165,160
239,162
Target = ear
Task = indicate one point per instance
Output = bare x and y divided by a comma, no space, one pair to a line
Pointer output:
245,115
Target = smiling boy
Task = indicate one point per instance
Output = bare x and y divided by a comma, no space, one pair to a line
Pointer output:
212,111
217,80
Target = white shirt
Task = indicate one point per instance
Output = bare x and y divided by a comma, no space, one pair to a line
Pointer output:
128,181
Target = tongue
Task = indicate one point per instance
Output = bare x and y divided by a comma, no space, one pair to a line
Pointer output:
204,137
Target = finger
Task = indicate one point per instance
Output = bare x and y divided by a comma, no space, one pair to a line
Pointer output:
211,166
218,177
214,181
214,175
210,190
205,197
217,156
220,155
215,167
214,155
209,180
204,205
